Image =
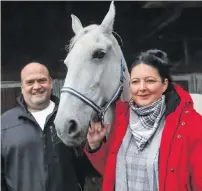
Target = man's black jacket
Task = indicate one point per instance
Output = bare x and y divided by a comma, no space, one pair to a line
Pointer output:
32,159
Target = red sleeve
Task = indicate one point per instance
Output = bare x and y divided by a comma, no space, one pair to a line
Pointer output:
99,158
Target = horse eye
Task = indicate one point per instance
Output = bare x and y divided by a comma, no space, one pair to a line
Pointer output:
99,54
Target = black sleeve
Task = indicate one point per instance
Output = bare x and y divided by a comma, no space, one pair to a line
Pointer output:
95,150
3,181
83,166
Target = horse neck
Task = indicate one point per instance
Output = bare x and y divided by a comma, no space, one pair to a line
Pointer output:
125,96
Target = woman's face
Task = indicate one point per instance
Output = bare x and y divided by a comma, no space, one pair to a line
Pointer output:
146,85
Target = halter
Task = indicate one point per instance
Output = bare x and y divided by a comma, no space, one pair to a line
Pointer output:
99,110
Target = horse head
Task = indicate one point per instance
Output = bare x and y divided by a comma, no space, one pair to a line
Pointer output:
97,73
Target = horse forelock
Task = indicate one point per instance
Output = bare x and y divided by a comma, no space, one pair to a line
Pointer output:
77,37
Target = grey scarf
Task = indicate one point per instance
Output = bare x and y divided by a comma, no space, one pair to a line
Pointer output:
145,120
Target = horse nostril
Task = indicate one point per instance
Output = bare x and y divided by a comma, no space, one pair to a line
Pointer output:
72,130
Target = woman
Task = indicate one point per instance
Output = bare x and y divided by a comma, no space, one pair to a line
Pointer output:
156,140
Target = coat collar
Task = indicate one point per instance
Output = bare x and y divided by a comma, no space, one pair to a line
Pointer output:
177,96
24,111
23,105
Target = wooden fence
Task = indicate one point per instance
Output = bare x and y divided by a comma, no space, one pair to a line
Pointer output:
11,89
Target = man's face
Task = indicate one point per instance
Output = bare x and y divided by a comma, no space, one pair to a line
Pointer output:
36,86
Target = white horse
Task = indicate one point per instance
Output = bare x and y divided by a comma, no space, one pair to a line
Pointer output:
97,74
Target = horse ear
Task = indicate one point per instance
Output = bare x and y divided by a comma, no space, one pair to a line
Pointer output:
107,23
76,24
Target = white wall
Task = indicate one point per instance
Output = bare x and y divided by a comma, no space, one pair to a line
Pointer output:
197,98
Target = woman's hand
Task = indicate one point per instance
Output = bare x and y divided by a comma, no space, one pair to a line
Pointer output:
96,134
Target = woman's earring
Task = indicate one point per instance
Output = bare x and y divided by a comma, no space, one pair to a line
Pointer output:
133,98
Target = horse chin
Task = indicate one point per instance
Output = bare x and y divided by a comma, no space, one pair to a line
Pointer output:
73,142
77,141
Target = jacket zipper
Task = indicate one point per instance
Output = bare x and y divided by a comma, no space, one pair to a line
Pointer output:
80,187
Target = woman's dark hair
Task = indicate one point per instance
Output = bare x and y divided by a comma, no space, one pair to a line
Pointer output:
158,60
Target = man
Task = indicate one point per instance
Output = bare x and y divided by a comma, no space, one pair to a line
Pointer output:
32,156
